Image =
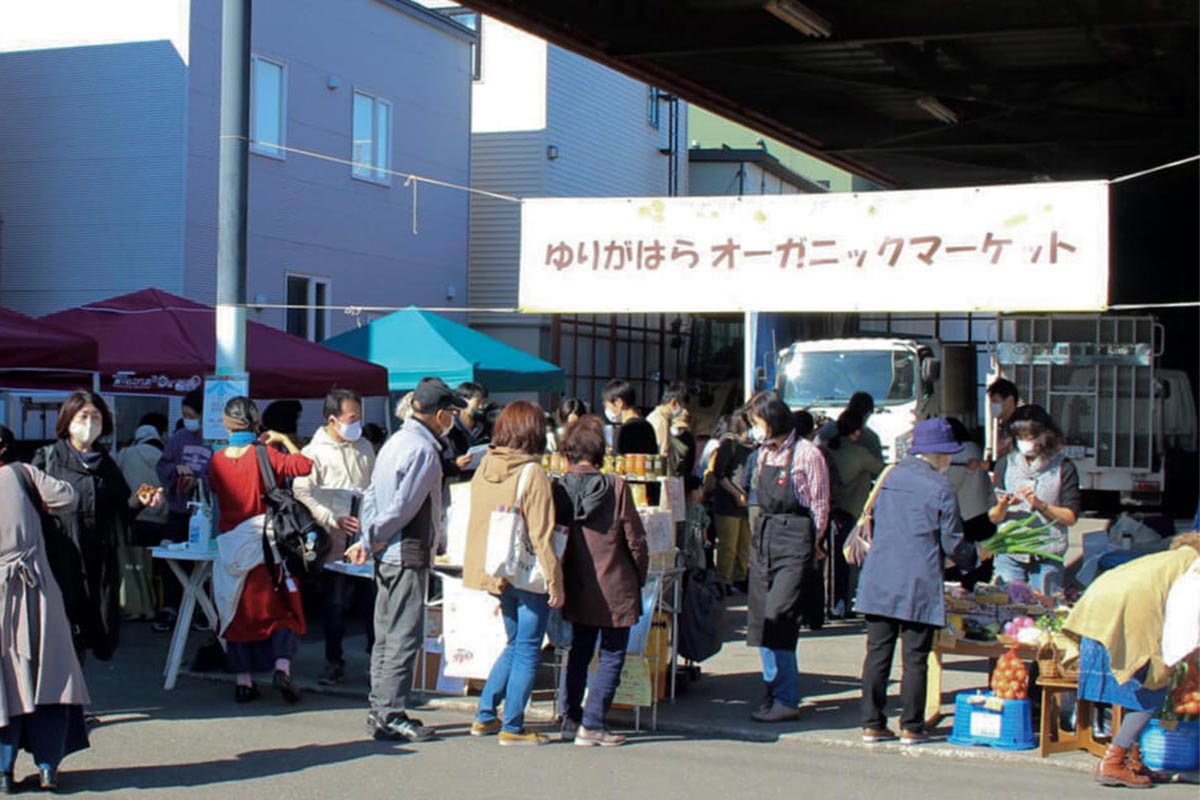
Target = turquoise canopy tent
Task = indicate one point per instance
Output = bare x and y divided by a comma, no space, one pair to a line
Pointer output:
412,344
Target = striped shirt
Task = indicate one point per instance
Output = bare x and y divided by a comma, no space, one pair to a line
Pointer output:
810,475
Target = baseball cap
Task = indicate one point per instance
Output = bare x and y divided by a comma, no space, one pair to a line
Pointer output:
432,394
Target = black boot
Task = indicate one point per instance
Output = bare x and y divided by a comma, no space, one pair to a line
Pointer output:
6,783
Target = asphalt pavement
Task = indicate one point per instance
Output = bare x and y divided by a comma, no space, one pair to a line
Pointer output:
195,742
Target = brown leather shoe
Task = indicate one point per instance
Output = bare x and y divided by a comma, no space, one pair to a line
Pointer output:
1113,770
1138,767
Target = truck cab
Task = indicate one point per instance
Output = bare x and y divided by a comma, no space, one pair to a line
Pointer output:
902,375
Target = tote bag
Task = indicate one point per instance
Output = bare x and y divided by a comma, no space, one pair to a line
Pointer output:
510,554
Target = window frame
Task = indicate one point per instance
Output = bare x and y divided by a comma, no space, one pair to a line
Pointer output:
374,176
311,314
653,107
477,46
269,150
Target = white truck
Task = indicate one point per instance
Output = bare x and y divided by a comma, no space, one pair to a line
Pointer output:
1095,373
908,379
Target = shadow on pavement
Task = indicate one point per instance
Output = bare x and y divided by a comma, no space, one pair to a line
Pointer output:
244,766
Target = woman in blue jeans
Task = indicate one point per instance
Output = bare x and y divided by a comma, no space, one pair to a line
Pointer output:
511,476
604,569
1036,478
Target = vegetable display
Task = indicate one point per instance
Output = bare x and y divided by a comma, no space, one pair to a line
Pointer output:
1010,680
1023,537
1185,698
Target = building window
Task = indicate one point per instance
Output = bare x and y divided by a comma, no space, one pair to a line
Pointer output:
372,138
472,21
306,315
653,106
268,107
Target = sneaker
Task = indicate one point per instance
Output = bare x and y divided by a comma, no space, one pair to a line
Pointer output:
334,674
282,682
245,694
778,712
486,728
569,730
525,738
585,737
877,735
200,625
913,737
164,622
398,727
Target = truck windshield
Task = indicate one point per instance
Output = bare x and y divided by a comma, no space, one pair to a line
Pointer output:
829,378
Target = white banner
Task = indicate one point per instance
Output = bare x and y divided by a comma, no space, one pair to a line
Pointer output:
1031,247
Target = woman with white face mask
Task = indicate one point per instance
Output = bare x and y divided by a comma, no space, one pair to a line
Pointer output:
1035,477
82,546
900,591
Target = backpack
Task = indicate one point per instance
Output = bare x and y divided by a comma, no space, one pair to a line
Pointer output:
301,543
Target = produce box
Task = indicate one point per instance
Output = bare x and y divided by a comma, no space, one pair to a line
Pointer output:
981,719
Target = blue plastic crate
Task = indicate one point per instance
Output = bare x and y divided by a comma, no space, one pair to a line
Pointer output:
1008,729
1175,750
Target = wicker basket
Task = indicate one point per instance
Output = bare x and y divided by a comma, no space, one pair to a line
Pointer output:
1047,661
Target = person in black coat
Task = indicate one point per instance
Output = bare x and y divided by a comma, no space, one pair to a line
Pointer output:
81,543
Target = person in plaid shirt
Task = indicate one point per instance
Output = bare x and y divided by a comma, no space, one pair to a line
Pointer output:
793,495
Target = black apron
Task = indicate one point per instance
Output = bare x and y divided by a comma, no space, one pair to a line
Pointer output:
783,558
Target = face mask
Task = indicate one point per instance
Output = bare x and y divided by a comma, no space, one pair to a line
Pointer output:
192,425
351,432
613,416
997,409
1026,446
758,435
85,432
241,439
449,427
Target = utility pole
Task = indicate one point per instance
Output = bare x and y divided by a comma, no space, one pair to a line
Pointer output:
233,186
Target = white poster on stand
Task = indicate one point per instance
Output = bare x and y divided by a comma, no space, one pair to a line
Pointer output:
1025,247
219,390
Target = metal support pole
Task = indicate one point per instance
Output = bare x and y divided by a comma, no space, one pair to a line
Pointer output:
233,186
750,345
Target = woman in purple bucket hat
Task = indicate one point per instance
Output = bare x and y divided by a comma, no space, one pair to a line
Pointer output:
917,526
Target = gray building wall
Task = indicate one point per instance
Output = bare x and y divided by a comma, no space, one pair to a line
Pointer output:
311,217
108,163
91,173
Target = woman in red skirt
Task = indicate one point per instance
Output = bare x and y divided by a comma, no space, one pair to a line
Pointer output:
258,606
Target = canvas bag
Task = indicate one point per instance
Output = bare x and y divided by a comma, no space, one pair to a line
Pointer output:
858,543
510,554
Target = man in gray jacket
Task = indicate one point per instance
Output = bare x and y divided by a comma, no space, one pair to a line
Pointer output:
402,519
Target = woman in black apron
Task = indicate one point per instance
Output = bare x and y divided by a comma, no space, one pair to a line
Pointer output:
783,554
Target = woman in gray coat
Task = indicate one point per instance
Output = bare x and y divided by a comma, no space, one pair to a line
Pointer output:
42,693
917,526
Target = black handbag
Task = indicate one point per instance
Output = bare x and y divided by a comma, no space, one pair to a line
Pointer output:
301,543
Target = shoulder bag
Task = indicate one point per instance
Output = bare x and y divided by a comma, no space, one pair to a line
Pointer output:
510,553
858,543
300,542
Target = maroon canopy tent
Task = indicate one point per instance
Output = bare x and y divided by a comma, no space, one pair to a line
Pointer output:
38,355
155,343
